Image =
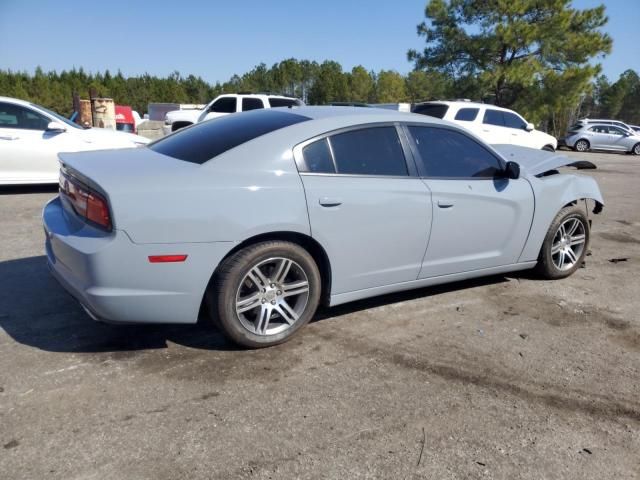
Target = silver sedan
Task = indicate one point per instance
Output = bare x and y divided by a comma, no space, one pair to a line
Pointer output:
602,137
256,218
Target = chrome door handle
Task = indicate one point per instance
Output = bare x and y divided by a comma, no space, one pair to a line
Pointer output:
330,202
444,204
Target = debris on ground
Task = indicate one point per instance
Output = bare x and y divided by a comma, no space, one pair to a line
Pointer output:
617,260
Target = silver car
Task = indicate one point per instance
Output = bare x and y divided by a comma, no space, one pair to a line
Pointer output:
256,218
602,137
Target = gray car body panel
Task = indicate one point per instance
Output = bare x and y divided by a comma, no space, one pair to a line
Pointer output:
603,141
377,241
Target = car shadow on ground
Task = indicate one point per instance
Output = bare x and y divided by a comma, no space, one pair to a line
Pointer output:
36,311
27,189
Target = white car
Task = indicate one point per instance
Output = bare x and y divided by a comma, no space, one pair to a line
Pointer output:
494,125
32,136
224,105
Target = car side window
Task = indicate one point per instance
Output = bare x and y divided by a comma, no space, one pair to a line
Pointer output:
513,121
493,117
250,103
284,102
467,114
224,105
317,157
17,116
449,154
369,151
615,131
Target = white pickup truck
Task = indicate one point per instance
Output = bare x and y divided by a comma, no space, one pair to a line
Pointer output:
224,105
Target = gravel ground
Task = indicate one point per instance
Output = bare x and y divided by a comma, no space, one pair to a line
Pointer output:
505,377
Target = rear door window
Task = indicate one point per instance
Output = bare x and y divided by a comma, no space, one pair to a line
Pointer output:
318,158
449,154
369,151
467,114
437,110
203,141
250,103
493,117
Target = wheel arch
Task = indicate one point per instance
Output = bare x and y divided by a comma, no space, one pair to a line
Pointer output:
310,244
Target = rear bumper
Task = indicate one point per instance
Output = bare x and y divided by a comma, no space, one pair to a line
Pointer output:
113,279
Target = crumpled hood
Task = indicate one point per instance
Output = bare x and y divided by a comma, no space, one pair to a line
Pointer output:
537,162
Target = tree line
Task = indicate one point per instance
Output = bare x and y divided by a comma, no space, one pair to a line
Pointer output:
534,56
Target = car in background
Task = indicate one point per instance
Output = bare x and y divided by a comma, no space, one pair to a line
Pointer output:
602,137
125,121
31,137
494,125
602,121
636,128
255,219
224,105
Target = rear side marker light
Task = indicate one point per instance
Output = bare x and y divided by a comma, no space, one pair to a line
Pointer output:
167,258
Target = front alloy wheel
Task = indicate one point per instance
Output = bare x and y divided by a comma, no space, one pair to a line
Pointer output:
565,244
568,244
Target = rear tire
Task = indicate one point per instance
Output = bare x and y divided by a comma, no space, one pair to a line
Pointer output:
548,148
263,294
582,146
565,244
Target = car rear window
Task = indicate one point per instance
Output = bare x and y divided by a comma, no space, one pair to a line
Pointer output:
284,102
437,110
467,114
206,140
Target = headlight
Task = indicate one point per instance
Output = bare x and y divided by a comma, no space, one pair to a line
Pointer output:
168,121
140,144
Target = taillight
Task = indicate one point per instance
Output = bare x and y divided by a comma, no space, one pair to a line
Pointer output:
86,202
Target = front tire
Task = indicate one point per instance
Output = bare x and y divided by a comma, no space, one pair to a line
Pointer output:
263,294
565,244
581,146
636,149
548,148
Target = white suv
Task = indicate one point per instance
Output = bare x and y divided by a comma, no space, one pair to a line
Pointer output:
224,105
494,125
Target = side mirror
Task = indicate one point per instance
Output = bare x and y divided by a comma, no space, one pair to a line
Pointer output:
529,127
56,127
512,170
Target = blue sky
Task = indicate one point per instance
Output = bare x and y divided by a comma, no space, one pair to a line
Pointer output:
216,39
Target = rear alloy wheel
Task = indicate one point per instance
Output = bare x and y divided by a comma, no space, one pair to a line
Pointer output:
265,293
565,244
636,149
582,146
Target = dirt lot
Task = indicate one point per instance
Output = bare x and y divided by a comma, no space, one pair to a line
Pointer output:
507,377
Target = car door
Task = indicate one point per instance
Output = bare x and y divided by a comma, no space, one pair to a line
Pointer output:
618,139
517,128
597,135
222,106
367,208
28,152
493,130
480,219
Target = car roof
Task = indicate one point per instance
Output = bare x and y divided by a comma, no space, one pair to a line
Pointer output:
363,115
16,100
463,103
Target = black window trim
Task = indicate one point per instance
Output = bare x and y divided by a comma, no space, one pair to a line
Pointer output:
420,162
303,169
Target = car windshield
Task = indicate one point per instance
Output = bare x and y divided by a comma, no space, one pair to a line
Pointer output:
57,116
437,110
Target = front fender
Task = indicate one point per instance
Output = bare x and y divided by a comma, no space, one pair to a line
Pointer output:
551,194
